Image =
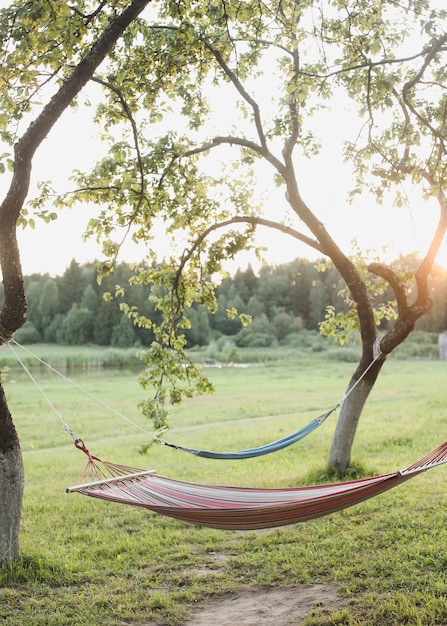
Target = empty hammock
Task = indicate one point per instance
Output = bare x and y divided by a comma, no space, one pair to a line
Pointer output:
236,508
250,453
274,446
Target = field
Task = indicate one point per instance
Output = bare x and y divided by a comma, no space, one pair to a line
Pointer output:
91,562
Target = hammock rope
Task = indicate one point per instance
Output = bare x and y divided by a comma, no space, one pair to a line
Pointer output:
74,384
236,508
42,391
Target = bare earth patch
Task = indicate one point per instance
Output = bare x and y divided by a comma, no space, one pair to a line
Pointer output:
266,607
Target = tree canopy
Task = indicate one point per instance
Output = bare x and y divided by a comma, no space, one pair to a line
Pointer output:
286,303
202,104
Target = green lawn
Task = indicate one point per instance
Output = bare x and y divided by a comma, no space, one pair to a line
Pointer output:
92,562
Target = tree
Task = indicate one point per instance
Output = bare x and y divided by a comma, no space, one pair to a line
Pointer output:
48,303
77,326
245,283
123,335
90,299
278,65
71,286
42,44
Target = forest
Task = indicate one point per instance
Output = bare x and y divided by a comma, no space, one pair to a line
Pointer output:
283,301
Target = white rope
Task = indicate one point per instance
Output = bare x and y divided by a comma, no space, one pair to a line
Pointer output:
66,427
71,382
377,354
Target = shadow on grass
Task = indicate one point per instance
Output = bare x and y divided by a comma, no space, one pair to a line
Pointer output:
30,569
330,475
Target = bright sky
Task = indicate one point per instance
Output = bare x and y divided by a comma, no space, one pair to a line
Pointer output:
324,185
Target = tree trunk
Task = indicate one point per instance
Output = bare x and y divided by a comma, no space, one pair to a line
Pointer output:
357,394
11,485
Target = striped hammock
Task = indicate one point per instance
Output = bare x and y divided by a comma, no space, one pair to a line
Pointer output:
250,453
236,508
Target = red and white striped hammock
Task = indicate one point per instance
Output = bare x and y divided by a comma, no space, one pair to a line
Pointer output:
236,508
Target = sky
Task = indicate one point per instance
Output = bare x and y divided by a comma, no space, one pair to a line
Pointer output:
325,182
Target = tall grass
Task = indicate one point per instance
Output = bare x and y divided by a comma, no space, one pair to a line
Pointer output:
92,562
65,358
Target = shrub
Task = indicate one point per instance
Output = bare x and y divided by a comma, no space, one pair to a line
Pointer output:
28,334
345,355
119,358
256,340
319,346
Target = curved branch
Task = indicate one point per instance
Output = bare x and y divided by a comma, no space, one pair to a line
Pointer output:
367,63
426,265
254,221
267,43
430,54
229,140
263,148
239,87
88,17
408,314
243,143
395,283
290,142
128,113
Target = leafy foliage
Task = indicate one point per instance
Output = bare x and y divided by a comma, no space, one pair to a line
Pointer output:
201,103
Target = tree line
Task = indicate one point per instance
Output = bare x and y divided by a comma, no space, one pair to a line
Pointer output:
282,300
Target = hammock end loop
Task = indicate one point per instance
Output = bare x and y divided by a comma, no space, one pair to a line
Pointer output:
80,445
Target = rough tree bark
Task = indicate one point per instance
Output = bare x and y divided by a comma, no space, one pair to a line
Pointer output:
356,397
13,313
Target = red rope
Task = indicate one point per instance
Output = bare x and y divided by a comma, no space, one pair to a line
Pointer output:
97,469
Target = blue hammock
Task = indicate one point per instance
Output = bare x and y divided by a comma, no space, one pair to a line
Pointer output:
250,453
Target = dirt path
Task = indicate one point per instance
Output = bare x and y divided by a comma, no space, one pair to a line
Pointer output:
265,607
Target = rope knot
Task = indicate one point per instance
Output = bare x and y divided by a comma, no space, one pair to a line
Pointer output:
377,351
81,446
5,334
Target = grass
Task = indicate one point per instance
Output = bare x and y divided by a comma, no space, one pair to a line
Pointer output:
92,562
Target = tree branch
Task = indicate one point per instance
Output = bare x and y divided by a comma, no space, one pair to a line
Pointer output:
426,265
408,314
128,113
430,54
395,283
290,142
240,88
254,221
229,140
